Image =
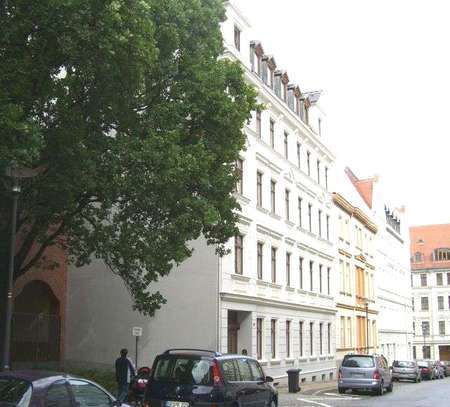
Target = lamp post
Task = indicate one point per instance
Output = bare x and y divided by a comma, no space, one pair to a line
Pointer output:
15,173
367,327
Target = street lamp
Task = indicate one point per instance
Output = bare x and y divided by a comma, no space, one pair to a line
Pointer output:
16,174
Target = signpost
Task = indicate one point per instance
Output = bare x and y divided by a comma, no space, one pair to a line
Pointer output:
136,332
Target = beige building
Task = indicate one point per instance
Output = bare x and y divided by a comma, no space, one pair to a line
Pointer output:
357,310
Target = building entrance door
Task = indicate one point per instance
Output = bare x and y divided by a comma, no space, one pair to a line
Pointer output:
233,328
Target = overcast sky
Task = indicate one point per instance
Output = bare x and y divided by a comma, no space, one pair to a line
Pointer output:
384,67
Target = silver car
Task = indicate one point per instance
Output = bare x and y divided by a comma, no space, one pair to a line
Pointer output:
406,370
365,372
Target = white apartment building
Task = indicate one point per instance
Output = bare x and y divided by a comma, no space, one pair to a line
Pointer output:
393,275
357,309
273,295
430,263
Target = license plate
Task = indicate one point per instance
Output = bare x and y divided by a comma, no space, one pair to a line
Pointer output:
359,375
176,404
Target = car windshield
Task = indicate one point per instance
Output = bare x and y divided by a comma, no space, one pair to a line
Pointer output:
14,391
183,370
358,361
399,363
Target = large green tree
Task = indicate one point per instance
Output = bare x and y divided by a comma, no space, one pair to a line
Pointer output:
136,122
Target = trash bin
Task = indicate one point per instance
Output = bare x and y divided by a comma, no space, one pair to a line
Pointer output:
294,380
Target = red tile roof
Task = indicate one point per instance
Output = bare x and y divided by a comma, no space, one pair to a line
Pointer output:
425,239
363,186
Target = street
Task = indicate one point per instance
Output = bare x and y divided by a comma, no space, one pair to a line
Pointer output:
426,394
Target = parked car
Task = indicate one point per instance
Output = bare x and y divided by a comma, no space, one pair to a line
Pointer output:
427,370
406,370
37,388
195,378
365,372
440,371
446,365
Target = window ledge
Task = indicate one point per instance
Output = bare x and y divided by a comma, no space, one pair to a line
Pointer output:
263,210
263,362
330,357
275,361
242,198
275,216
290,289
290,360
313,358
275,285
240,277
289,223
302,359
322,358
262,283
302,291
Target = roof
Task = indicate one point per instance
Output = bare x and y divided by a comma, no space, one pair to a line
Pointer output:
425,239
363,186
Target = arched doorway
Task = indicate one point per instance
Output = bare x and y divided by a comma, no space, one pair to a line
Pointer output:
36,325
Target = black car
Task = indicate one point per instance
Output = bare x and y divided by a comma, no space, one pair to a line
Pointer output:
199,378
48,389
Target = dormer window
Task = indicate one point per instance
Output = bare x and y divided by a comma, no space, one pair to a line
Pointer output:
256,54
291,97
442,254
237,38
418,257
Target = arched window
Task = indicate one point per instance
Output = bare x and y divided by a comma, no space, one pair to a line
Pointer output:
442,254
418,257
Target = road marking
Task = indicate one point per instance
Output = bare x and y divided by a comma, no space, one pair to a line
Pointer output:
343,396
315,402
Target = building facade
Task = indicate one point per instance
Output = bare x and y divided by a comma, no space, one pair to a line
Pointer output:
430,279
357,310
273,295
393,288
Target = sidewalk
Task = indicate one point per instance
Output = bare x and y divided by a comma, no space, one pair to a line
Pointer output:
304,387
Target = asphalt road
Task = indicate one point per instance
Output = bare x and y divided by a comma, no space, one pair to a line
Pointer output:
434,393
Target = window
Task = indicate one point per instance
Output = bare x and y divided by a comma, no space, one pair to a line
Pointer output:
286,201
259,333
272,133
349,332
244,370
274,264
238,254
229,370
258,123
237,38
425,328
308,162
448,278
342,341
439,278
259,189
328,280
449,301
311,285
319,216
272,196
329,338
442,254
300,212
300,334
418,257
87,394
318,171
286,137
16,392
240,175
320,278
288,339
257,373
424,303
58,396
310,217
300,272
298,154
326,178
259,263
441,327
426,350
311,338
273,327
328,226
288,269
414,352
321,338
423,280
440,303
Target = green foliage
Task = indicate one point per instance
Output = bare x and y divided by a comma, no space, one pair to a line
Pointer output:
137,124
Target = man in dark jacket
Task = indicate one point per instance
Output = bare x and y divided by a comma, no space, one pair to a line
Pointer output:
125,371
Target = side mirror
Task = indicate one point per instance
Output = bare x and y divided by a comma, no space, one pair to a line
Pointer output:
269,379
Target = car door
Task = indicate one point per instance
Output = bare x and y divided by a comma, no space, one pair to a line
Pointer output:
386,372
58,395
263,389
248,389
88,395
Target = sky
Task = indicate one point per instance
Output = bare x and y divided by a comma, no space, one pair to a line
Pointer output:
384,68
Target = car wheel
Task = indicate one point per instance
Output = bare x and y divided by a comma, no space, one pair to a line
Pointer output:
342,390
379,390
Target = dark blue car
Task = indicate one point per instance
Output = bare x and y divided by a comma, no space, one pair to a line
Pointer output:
197,378
47,389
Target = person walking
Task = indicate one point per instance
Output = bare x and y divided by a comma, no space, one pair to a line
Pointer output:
125,371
